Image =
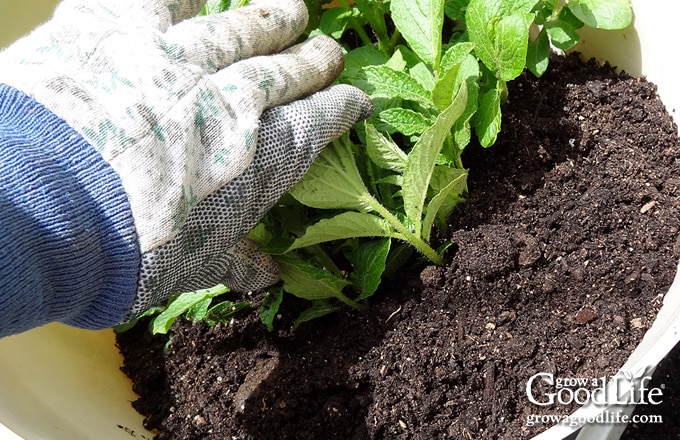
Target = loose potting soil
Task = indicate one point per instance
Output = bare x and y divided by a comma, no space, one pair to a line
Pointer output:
562,254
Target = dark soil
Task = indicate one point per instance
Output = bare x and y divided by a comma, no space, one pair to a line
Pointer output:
562,254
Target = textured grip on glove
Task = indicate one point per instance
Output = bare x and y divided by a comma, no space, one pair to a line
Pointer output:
197,116
203,253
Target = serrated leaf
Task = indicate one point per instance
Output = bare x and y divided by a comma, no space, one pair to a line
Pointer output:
346,225
444,200
270,307
383,151
307,281
603,14
333,181
488,117
423,157
420,22
180,304
369,261
405,121
316,310
538,54
500,31
381,81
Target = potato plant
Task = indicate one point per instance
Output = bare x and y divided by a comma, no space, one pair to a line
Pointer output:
437,72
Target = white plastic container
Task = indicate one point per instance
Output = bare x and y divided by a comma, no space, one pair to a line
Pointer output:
59,383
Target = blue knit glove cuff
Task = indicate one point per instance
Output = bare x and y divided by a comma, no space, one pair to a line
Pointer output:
68,247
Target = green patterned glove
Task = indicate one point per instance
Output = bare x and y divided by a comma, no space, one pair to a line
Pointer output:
207,120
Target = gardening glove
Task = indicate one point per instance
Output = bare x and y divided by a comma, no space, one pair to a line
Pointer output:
207,121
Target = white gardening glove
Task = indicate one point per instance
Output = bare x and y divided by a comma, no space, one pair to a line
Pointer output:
174,103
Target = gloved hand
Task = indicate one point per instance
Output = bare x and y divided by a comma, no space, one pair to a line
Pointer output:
204,126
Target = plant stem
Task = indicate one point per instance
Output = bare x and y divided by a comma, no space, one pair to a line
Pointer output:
414,240
376,18
396,35
555,11
349,302
365,39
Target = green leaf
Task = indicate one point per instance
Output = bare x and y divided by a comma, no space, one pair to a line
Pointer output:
455,9
544,11
603,14
217,6
500,31
333,23
180,304
369,261
122,328
259,234
566,16
420,22
398,61
346,225
333,181
469,73
455,55
357,59
445,200
423,75
198,311
488,117
400,255
317,310
405,121
403,54
538,54
270,307
392,179
448,82
224,311
562,34
383,151
307,281
381,81
423,157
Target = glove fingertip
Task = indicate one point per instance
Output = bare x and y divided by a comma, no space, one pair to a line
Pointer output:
251,269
